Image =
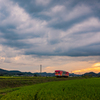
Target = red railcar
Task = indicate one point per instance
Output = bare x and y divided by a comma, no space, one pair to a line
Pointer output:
60,73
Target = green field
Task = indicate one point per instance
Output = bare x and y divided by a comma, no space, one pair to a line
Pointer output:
11,82
76,89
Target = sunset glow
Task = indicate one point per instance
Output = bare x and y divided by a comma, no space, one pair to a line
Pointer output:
94,68
97,64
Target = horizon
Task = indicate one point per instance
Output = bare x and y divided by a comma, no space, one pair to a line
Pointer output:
53,33
53,72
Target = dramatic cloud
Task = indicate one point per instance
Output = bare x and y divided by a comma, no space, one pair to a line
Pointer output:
49,28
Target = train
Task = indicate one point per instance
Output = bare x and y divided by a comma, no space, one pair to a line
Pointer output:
61,73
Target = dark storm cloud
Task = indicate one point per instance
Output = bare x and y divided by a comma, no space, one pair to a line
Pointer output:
64,25
32,8
89,50
54,28
17,44
13,39
36,10
16,41
81,51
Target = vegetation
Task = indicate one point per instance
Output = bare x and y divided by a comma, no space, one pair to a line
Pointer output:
11,82
76,89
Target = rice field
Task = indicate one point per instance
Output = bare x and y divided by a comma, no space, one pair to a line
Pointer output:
79,89
11,82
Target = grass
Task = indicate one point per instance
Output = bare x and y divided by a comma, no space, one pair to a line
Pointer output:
83,89
11,82
5,91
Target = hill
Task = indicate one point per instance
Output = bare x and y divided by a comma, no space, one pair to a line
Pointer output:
19,73
13,72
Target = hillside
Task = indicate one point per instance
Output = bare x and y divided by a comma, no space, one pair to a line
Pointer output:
13,72
19,73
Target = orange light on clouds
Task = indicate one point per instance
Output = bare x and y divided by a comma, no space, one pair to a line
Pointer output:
97,64
49,69
94,68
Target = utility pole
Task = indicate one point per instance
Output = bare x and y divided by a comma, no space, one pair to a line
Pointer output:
71,74
40,69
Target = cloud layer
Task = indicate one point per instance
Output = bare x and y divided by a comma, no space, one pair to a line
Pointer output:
49,32
61,28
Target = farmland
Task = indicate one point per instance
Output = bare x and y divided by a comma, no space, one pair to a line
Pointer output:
11,82
59,89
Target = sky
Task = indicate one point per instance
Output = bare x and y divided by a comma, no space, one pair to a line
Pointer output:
57,34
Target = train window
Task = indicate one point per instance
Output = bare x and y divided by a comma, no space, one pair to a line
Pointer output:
64,72
58,72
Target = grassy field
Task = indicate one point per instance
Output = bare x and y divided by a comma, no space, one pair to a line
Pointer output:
11,82
76,89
